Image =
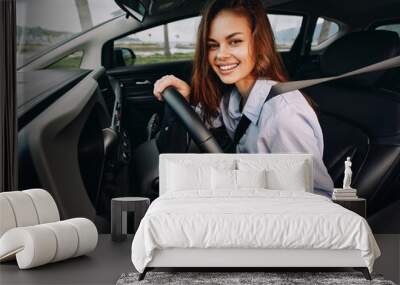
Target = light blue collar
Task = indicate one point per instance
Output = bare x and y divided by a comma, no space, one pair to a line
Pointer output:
254,103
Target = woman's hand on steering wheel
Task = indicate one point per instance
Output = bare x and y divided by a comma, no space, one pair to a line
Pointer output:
170,80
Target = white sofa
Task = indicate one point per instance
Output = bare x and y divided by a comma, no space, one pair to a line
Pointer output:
31,231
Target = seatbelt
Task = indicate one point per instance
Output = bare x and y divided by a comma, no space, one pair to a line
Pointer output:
285,87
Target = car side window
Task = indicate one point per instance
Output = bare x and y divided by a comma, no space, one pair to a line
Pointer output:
71,61
165,43
390,27
325,32
286,29
176,41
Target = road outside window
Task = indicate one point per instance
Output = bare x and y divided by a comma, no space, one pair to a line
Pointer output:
170,42
72,61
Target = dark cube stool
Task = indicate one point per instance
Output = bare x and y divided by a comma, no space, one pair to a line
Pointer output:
119,208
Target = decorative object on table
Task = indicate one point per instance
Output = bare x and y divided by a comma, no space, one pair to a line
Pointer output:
244,278
119,208
347,174
31,231
346,193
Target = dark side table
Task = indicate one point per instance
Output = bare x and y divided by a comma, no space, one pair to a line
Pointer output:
357,205
119,209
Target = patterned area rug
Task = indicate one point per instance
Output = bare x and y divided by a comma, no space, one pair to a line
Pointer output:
243,278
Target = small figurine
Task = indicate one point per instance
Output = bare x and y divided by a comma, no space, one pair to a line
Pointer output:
347,174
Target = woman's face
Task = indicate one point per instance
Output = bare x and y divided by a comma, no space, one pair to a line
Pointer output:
230,49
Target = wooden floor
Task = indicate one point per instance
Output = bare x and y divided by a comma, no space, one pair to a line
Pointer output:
110,259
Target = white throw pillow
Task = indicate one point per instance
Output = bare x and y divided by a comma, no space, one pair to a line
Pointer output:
193,174
293,179
223,179
281,174
251,178
181,177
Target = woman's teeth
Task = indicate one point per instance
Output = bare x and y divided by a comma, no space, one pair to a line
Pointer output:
228,67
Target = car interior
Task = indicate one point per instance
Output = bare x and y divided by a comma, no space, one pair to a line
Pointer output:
90,134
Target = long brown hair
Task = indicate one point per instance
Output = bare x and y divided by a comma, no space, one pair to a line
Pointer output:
207,87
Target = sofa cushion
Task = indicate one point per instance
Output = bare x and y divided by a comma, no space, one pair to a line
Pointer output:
7,220
31,232
26,208
40,244
45,205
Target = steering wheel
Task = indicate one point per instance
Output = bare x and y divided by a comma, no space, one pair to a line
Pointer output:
201,136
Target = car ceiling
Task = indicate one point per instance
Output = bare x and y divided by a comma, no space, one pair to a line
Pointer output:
354,13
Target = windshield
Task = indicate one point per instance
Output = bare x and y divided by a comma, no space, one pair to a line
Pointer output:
42,24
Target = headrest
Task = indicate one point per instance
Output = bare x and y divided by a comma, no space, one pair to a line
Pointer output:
359,49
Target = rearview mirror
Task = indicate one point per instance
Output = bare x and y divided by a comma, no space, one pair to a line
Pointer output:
133,8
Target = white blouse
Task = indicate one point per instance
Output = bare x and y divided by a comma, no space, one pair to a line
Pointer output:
285,124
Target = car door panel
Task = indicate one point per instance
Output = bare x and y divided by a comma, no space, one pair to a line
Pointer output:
64,146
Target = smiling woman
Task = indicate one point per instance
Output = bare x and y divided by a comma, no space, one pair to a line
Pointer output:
45,24
235,65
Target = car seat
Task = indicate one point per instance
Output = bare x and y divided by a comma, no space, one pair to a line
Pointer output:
360,115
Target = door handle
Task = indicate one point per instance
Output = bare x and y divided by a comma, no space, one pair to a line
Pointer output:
146,82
